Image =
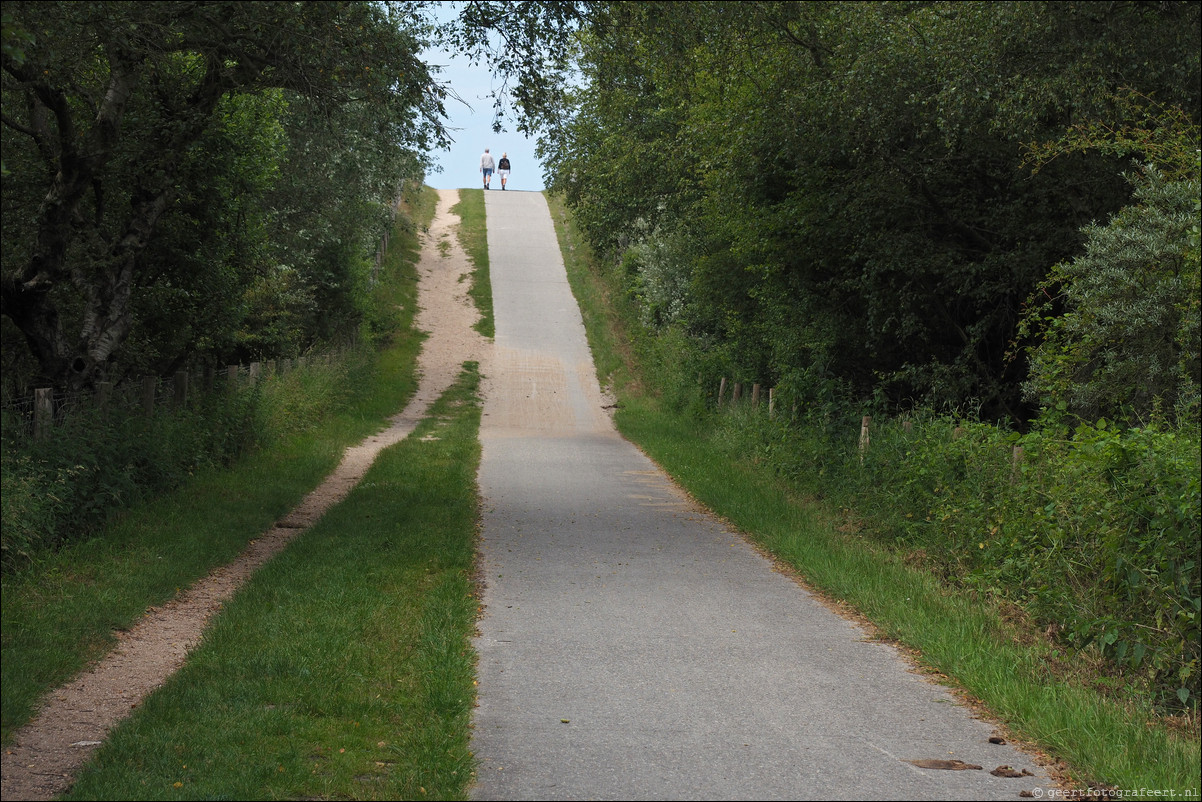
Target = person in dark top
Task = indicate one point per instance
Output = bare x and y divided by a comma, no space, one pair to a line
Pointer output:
503,169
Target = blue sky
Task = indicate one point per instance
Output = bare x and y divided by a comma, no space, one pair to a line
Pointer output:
471,127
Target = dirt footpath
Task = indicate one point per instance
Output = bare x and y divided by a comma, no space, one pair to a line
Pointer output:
74,720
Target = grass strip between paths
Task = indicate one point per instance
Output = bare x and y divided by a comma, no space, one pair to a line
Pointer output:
344,667
473,238
965,639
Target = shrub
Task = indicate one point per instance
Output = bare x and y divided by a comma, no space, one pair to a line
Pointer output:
64,487
1095,532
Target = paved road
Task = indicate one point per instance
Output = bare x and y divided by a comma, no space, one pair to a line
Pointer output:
633,648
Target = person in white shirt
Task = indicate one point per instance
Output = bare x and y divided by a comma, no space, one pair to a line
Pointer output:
487,165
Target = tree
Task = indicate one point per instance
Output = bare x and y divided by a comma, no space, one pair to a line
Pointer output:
850,175
116,101
1118,334
528,45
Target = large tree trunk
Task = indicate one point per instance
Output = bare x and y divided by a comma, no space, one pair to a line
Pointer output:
70,249
75,159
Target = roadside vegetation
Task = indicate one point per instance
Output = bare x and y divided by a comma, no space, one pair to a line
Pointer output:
960,246
191,185
65,597
344,667
901,537
96,462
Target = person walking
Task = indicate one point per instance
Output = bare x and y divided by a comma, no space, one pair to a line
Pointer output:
503,169
487,165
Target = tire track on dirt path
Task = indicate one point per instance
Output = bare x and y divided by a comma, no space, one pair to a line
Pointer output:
74,719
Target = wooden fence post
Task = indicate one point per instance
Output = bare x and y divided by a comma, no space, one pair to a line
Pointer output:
231,377
149,385
738,393
908,427
771,402
43,412
104,393
255,369
755,396
1016,461
867,419
721,391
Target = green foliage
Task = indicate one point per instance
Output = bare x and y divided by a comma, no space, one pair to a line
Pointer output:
35,500
65,487
1093,532
837,517
95,463
835,200
62,609
1127,344
206,181
527,44
1138,128
344,663
842,185
1121,323
658,269
1095,535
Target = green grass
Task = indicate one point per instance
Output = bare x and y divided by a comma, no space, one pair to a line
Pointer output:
343,669
1101,741
473,237
62,612
602,307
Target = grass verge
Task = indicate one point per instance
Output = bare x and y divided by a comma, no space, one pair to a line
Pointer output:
1101,743
62,612
473,237
343,668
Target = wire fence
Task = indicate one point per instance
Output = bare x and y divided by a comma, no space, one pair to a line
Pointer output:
39,414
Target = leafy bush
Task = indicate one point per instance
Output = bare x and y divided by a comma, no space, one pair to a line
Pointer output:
1129,338
64,486
658,268
1095,533
1121,509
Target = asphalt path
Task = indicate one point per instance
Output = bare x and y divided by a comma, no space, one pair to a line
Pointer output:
631,647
